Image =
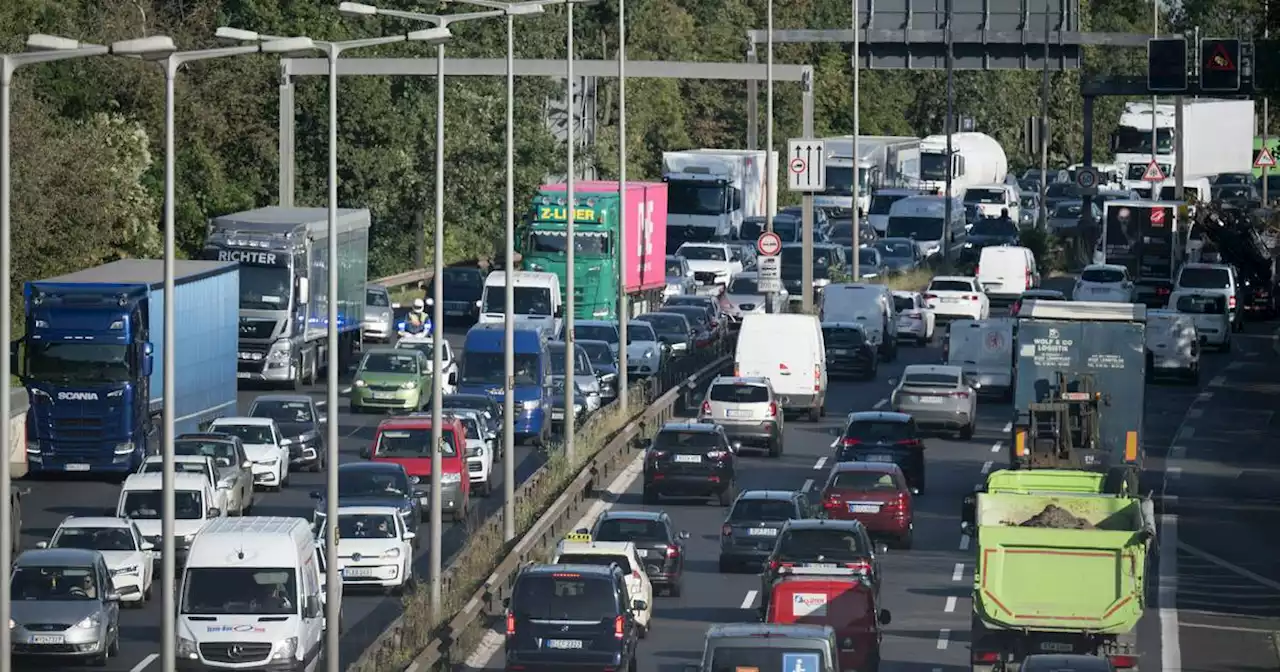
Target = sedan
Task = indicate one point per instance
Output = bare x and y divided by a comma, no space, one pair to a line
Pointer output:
1104,282
715,306
645,353
870,264
673,330
744,295
848,352
1036,295
605,362
899,255
1068,216
751,529
378,325
301,423
390,379
129,557
988,232
937,396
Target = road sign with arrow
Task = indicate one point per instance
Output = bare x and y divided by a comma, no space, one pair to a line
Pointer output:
806,165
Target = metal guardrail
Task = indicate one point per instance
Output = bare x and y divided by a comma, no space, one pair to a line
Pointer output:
394,282
551,526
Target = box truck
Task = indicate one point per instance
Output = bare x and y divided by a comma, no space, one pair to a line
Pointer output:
976,158
1150,239
712,190
1217,137
881,162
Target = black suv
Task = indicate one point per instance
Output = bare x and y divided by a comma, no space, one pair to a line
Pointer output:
660,547
848,352
690,460
884,436
562,617
821,547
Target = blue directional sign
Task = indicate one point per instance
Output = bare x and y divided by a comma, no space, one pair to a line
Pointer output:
801,662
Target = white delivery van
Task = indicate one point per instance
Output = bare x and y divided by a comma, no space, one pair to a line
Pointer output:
1005,272
195,505
251,597
989,200
1173,346
868,304
537,300
882,201
921,219
983,349
1210,313
788,350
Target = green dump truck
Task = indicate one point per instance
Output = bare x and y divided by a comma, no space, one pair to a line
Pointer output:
1060,567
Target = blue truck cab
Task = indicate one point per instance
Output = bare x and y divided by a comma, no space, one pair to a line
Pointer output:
482,372
91,360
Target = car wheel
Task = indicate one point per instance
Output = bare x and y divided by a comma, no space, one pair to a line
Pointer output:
643,632
905,541
922,341
724,566
815,414
966,432
725,497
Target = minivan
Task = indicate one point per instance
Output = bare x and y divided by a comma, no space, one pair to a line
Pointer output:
769,646
922,219
1005,272
483,369
536,303
571,616
870,305
1219,279
798,371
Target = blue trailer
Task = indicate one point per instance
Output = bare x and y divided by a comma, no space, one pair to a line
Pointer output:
91,360
483,369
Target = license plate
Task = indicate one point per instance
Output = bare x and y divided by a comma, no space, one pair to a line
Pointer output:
384,395
946,300
864,508
564,644
47,639
694,459
737,414
242,374
762,532
76,466
879,458
929,400
644,553
1164,363
1056,647
839,352
821,565
357,572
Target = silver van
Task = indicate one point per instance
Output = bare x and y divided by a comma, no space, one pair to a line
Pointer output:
769,647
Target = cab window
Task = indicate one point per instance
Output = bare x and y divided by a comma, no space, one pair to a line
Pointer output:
876,432
1203,304
624,529
598,559
766,510
565,596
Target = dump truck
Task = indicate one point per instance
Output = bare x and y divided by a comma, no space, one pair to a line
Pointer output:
1060,568
1079,383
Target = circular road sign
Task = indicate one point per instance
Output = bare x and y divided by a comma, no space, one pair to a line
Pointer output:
1087,178
769,244
797,165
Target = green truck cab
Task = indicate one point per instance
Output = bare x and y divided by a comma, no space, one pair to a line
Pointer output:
1061,567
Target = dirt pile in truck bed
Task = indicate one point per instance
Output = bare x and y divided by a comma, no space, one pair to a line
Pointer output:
1057,517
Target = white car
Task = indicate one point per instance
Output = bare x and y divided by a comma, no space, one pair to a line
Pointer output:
129,557
1105,283
480,451
375,548
916,319
264,445
745,298
191,464
955,296
645,354
578,548
713,264
424,343
1211,314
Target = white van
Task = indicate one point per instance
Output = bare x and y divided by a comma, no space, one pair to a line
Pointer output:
870,305
195,505
921,218
882,201
1218,279
1173,345
987,200
788,350
983,349
251,597
1005,272
1210,313
537,300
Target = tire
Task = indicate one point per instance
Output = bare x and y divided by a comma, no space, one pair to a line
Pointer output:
675,589
775,449
1226,345
922,342
632,666
484,489
643,632
815,414
967,432
905,541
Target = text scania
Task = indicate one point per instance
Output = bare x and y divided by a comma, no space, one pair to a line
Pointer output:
77,396
248,257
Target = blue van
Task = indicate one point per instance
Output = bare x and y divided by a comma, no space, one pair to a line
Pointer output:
482,370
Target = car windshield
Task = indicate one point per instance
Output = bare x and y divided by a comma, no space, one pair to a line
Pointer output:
598,353
861,480
674,270
873,431
740,393
694,314
556,356
868,257
989,226
1067,211
1062,190
930,380
841,230
366,526
259,435
264,591
880,203
895,248
95,538
223,453
54,584
74,363
813,544
984,196
686,442
564,596
764,510
528,300
1205,278
640,332
761,658
702,253
744,285
412,443
595,332
481,368
1202,304
920,228
156,467
1104,275
951,286
667,324
837,337
371,483
464,284
630,529
903,303
146,505
283,411
376,299
390,362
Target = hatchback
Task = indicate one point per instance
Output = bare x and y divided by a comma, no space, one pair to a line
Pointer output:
751,529
745,408
659,545
937,396
884,437
690,460
874,494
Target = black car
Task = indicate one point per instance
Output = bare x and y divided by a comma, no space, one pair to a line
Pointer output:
571,617
699,317
828,547
659,546
989,232
300,422
690,460
674,331
752,527
486,405
462,289
848,352
820,220
712,304
882,436
377,484
786,226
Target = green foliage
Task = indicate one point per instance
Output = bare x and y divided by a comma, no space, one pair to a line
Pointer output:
1046,247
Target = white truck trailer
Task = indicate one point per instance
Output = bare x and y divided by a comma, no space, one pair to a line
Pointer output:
1217,137
976,159
880,163
710,191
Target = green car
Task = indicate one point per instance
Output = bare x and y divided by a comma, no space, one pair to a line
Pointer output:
391,380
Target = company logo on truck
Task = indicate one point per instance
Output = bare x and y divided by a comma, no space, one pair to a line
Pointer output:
249,257
77,396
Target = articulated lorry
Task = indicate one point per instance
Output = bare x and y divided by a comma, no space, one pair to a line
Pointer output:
1150,239
1079,384
599,215
712,190
1217,137
91,358
976,159
1061,568
284,288
880,162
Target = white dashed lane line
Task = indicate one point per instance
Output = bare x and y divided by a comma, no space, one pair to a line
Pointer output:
880,404
822,462
944,637
1173,473
964,542
986,467
749,600
951,604
958,572
808,485
995,448
1008,427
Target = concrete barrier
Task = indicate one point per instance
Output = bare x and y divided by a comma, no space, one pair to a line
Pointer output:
18,432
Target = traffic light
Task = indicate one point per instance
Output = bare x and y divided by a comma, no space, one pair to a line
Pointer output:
1167,65
1266,66
1220,65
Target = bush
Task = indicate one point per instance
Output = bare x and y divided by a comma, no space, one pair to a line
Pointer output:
1049,251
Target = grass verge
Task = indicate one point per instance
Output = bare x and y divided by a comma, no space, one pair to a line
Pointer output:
912,281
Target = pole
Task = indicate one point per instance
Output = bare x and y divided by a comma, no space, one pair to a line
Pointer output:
1155,32
6,335
951,103
771,170
806,251
1044,129
857,130
333,578
508,317
1266,122
1177,152
624,313
437,338
569,388
168,567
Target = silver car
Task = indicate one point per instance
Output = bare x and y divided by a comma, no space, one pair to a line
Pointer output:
234,469
584,375
378,323
64,605
745,298
937,396
679,277
645,354
747,410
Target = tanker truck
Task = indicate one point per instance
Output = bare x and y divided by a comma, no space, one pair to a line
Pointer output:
1060,568
976,159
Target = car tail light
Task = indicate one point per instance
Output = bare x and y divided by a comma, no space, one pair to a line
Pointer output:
673,551
976,270
1164,291
1231,302
960,395
726,530
831,500
986,657
618,624
1017,305
657,454
864,567
706,408
971,297
773,409
1028,277
847,441
1124,662
511,624
635,574
717,454
817,378
774,565
908,442
896,504
930,297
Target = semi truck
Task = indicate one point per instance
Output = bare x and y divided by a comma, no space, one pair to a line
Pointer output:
1150,239
1217,137
712,190
1034,529
90,359
284,288
976,159
1079,385
880,163
599,216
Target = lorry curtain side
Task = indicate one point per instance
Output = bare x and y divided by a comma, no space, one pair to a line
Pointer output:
645,219
353,265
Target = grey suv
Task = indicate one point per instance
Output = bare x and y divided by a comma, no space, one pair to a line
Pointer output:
747,410
751,529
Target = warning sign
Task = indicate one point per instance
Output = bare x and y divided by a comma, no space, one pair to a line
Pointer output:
1219,59
1265,159
1157,216
1153,173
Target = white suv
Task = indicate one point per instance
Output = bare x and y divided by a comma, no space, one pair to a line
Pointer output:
1213,279
747,409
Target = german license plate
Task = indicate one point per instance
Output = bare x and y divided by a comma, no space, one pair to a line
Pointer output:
357,572
839,352
76,466
693,459
879,458
47,639
762,532
384,395
949,300
929,400
1166,363
642,552
864,508
737,414
1056,647
242,374
564,644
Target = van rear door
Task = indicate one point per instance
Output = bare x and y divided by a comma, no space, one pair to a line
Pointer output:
984,350
564,618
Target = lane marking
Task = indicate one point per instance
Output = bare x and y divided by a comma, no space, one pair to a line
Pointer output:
1187,433
151,658
1195,413
1218,381
995,448
749,600
1177,453
880,404
1167,596
1204,396
1228,628
986,467
1008,426
1229,566
322,402
964,542
951,604
822,462
808,485
944,635
958,572
1235,366
1174,473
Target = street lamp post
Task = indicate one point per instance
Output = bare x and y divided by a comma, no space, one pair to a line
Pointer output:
332,51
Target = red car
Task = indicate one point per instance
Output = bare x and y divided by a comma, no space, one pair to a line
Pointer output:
406,441
873,493
846,603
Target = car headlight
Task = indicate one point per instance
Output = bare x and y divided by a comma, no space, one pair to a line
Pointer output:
648,354
530,405
392,553
124,448
359,383
189,538
128,569
408,386
285,648
577,408
450,477
968,245
12,625
280,352
268,463
187,648
477,452
91,621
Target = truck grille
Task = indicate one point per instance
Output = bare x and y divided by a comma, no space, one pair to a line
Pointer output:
235,652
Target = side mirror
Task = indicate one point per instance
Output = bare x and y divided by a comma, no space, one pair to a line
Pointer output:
506,603
559,311
365,454
42,544
414,480
410,536
881,547
885,617
148,359
582,530
683,535
688,273
146,546
213,512
112,596
639,605
968,512
247,464
430,301
453,377
304,290
893,381
420,493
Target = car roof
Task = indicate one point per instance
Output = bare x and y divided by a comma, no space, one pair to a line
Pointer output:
152,481
96,521
877,467
963,278
380,348
57,557
741,380
367,510
365,465
463,396
843,325
1106,267
780,630
689,427
243,420
152,459
825,523
583,569
282,397
1043,292
208,436
595,547
1214,266
691,298
631,514
879,416
417,421
932,368
786,495
591,341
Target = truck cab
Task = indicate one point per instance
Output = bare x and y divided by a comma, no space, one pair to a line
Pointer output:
538,300
483,370
712,190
